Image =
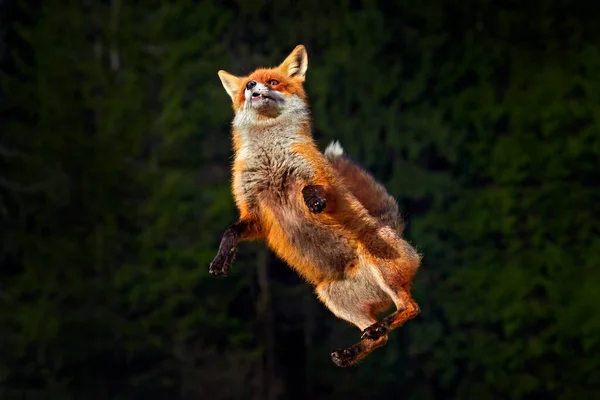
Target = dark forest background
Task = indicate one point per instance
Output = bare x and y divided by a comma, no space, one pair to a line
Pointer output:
481,117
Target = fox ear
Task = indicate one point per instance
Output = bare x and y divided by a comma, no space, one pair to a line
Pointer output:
230,82
296,63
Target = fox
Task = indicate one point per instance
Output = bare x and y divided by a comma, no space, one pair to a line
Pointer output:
321,213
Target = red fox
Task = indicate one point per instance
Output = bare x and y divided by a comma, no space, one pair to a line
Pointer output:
321,213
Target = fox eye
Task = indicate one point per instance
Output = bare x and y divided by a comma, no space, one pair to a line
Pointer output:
273,82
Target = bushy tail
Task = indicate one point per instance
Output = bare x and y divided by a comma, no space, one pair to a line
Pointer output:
372,194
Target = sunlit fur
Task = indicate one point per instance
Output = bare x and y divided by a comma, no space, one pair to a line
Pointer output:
352,252
372,195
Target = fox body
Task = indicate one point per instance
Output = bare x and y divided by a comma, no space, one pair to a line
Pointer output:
323,214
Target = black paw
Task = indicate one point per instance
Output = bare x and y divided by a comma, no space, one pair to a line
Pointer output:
314,199
374,331
344,357
221,264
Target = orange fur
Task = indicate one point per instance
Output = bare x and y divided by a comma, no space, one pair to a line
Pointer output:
324,216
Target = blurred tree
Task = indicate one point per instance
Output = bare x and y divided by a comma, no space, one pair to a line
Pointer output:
516,240
108,298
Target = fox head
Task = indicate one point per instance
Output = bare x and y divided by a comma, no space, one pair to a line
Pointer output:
269,92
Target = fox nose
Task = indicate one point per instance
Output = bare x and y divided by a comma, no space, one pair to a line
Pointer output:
250,85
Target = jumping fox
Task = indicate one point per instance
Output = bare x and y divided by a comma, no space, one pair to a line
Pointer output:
321,213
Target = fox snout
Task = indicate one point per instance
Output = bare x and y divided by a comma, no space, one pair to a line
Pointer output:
261,95
255,89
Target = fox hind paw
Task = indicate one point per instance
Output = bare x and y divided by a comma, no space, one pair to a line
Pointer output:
374,331
344,358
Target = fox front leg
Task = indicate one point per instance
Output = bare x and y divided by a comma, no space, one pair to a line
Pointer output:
228,247
314,198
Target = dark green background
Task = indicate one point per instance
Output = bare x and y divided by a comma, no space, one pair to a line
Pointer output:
481,117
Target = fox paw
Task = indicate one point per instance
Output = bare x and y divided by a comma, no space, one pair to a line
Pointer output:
374,331
221,264
313,198
344,357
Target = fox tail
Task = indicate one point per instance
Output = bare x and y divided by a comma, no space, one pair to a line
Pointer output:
372,194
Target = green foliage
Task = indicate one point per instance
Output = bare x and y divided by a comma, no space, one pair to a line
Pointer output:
480,118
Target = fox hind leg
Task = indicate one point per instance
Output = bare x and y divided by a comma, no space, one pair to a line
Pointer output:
348,302
355,299
394,277
407,308
356,352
